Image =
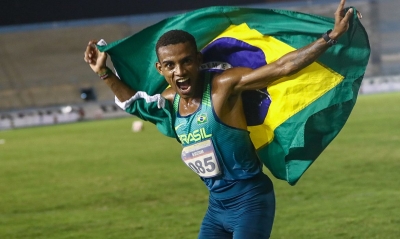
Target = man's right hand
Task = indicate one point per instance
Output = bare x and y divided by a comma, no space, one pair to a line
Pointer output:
95,58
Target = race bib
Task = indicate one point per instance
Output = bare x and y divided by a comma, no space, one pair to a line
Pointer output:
200,157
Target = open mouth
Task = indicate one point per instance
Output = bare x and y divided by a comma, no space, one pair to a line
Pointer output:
183,84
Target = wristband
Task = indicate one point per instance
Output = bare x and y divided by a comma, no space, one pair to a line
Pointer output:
329,40
104,74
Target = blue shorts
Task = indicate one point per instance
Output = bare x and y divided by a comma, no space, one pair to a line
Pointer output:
249,215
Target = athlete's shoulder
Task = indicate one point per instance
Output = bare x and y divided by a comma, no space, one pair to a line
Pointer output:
231,73
229,78
168,94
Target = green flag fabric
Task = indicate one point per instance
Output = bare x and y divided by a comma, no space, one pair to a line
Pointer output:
291,121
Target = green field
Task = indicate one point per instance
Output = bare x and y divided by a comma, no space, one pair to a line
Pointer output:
100,180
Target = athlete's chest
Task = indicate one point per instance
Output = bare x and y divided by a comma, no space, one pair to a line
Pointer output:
195,127
195,134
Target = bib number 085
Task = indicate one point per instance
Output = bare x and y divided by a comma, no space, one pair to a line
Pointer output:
198,167
201,159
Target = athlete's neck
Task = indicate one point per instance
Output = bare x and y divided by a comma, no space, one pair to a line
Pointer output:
188,105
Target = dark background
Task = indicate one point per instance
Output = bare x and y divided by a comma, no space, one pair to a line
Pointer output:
15,12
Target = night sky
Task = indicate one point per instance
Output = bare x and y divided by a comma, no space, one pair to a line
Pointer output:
15,12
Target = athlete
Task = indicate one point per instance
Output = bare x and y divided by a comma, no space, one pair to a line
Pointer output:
211,125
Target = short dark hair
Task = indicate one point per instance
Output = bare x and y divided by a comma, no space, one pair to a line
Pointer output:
175,37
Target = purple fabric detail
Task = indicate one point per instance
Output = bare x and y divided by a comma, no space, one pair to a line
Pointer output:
241,54
235,52
256,104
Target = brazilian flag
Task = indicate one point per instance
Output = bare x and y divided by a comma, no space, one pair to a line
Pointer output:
291,121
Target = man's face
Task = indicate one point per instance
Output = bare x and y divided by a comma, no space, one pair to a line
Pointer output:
179,64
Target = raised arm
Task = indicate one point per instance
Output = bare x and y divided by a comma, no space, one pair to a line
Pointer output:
292,62
97,61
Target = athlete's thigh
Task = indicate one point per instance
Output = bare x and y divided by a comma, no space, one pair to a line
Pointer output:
212,225
256,218
210,230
